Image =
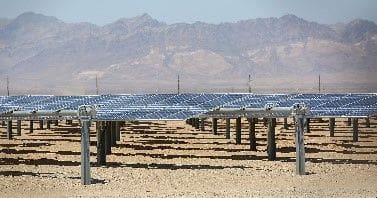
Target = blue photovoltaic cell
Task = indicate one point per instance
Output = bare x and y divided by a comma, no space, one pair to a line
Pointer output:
183,106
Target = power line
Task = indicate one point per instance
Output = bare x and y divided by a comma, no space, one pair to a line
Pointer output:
96,84
249,83
178,85
8,85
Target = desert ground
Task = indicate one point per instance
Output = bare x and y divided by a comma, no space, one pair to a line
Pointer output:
172,159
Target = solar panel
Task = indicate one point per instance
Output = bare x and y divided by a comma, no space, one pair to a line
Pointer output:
183,106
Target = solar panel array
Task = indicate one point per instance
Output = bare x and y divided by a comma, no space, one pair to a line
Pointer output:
187,105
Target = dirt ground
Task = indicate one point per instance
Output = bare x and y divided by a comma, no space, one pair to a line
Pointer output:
172,159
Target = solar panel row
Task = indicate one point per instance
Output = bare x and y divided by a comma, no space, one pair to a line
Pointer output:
183,106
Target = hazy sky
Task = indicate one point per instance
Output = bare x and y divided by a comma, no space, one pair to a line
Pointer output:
212,11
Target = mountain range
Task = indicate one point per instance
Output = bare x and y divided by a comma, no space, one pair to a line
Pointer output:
44,55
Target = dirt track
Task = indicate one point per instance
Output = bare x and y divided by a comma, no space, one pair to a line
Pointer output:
171,159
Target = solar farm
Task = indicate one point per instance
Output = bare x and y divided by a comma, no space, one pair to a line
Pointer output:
185,106
106,121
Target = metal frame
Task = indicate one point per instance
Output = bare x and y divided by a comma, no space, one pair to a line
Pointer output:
183,106
85,114
90,108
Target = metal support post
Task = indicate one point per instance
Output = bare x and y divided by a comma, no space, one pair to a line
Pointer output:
227,128
117,130
332,126
214,126
202,124
197,122
355,126
285,124
300,147
307,123
48,124
113,134
31,126
253,142
9,130
238,130
108,137
18,127
271,144
85,153
367,122
101,144
86,113
264,121
41,124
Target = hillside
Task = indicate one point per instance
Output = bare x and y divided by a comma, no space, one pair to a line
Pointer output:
43,54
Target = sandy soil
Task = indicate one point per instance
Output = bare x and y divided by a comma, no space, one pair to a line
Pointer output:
171,159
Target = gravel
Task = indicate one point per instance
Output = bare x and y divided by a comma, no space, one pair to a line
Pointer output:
171,159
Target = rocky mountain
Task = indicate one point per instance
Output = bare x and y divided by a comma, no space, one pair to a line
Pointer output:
358,30
42,54
3,22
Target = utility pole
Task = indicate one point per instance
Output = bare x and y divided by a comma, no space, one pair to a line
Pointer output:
319,83
249,83
96,84
178,84
8,85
